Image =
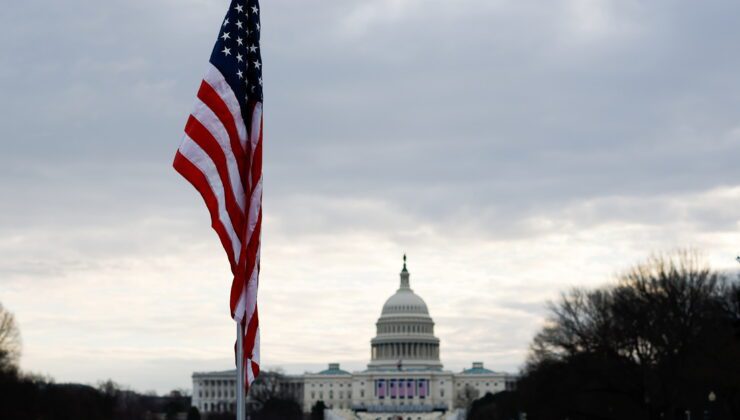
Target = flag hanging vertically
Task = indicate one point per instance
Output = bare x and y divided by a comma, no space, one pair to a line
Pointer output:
221,156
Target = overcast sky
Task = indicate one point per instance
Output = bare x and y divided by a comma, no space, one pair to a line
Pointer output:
513,148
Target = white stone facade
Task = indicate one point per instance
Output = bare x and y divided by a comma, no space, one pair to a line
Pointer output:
404,377
214,391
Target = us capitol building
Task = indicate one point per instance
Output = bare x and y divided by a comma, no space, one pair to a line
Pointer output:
404,378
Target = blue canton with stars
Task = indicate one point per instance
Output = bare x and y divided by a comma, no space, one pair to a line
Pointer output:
237,52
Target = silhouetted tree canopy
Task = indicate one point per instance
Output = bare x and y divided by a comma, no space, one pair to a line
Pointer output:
317,411
658,341
500,406
193,414
280,409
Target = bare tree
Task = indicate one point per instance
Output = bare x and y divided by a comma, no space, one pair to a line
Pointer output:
656,310
655,340
269,385
10,341
466,396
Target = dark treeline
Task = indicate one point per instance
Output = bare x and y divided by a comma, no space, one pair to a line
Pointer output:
662,342
33,397
29,397
26,397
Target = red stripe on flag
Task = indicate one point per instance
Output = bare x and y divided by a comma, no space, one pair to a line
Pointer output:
257,158
255,369
190,172
251,334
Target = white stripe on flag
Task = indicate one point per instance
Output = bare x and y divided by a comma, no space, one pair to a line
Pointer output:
218,83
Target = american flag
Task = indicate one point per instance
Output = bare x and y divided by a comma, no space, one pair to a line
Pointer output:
381,388
422,388
221,155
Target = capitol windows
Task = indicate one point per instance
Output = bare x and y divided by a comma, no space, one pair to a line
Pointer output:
362,393
321,394
313,395
331,395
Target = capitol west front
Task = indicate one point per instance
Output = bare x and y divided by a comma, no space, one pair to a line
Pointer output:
404,377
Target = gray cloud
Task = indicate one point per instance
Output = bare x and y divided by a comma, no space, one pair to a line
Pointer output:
477,133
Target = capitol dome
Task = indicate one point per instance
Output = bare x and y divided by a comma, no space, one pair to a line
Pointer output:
404,300
405,332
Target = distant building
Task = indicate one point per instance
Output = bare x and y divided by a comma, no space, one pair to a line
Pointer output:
404,377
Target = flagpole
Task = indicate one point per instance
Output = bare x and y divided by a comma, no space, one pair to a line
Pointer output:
240,407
